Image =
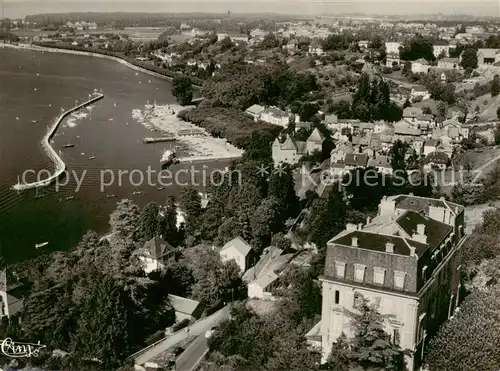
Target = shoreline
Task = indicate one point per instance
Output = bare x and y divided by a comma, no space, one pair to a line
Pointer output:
55,49
200,146
60,165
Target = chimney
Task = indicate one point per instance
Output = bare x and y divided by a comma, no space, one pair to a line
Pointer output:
410,194
412,251
360,226
368,220
354,242
350,227
389,247
456,210
420,235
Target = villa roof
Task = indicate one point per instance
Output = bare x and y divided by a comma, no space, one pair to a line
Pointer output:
275,112
183,305
488,52
421,61
380,161
239,244
289,144
377,242
419,88
435,231
416,203
157,247
412,112
316,137
437,157
356,159
256,109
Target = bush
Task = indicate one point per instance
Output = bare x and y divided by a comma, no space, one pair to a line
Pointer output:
238,128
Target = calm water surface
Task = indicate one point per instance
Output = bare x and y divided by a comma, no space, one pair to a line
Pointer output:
34,86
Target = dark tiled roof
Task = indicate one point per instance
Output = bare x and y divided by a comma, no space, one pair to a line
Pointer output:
157,247
377,242
418,204
437,157
434,230
356,159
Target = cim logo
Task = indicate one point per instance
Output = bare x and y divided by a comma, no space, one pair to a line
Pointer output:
20,350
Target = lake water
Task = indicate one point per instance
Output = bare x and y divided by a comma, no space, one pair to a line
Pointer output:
33,87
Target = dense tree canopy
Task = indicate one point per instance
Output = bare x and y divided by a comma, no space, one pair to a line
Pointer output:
416,48
182,89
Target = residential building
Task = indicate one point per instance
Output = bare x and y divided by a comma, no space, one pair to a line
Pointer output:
291,151
185,308
488,56
392,47
238,250
255,111
419,91
436,160
363,44
407,260
155,253
392,60
449,63
441,48
355,160
420,66
406,129
382,163
430,145
275,116
339,153
263,277
315,48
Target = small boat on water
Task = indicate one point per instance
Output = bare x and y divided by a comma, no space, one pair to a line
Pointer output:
92,158
38,245
69,198
136,193
110,196
69,145
34,121
160,188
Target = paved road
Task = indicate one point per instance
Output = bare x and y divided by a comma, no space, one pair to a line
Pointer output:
198,328
193,355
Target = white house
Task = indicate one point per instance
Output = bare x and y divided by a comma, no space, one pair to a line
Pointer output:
255,111
9,305
430,146
239,251
291,151
488,56
420,66
419,91
275,116
392,47
449,63
392,60
441,47
155,253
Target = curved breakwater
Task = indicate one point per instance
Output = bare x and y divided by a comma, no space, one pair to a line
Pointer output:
59,164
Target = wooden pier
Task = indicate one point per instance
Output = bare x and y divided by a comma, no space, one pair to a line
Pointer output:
59,164
160,139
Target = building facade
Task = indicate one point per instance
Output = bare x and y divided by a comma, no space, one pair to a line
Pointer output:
407,260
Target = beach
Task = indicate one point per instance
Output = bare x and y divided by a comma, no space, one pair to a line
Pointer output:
193,143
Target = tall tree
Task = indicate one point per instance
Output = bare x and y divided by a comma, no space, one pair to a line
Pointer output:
182,89
190,202
150,221
495,86
470,341
109,343
124,221
371,347
469,58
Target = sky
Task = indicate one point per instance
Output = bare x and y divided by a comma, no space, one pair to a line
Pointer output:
19,8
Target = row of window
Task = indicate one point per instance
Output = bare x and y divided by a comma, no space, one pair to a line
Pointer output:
378,274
